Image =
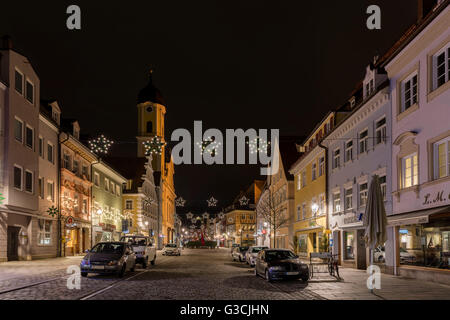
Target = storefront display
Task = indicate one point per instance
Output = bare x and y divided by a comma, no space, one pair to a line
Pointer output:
349,245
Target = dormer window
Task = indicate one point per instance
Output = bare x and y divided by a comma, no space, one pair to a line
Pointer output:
55,116
352,102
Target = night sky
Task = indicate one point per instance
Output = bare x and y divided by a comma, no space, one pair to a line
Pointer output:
232,64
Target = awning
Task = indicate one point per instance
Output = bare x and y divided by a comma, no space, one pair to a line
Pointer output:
415,217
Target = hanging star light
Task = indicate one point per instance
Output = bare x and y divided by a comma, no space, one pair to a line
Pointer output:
244,201
258,145
189,215
193,220
206,215
179,202
210,146
212,202
1,198
53,211
100,145
221,215
153,146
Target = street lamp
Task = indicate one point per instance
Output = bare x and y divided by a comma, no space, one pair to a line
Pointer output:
314,208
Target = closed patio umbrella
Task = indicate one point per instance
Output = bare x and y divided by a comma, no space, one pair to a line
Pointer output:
374,219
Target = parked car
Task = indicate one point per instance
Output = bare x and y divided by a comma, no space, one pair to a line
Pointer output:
109,257
406,257
239,253
252,253
171,249
143,248
234,245
276,264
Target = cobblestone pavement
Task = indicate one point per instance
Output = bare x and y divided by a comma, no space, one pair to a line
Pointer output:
196,275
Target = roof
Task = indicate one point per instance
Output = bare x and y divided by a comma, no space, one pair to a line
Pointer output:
131,169
289,153
150,93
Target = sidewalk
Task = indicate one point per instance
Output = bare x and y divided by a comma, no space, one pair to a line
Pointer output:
353,287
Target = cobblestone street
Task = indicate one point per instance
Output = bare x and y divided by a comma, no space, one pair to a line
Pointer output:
198,274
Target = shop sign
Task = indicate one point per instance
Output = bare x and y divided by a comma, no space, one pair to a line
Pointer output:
70,222
438,197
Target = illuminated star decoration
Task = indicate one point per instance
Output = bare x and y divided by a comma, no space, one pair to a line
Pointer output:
244,201
193,220
1,198
100,145
212,202
179,202
206,215
52,211
209,145
189,215
258,145
221,215
153,146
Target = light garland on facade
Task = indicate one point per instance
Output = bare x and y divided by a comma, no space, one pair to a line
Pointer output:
100,145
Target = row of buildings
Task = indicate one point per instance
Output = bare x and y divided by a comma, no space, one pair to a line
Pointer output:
58,197
394,124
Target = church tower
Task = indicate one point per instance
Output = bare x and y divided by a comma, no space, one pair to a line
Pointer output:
151,112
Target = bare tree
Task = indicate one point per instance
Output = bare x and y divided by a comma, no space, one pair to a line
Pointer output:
269,208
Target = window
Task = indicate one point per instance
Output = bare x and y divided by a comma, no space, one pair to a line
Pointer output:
84,207
129,204
67,161
84,171
383,187
18,83
44,232
441,67
41,147
112,187
106,184
363,194
337,202
30,92
349,244
96,179
50,191
117,190
299,213
321,166
76,167
18,177
322,204
336,158
50,152
18,130
349,150
41,187
304,210
380,131
28,181
363,137
348,199
149,126
313,171
410,173
299,182
409,92
303,179
29,137
442,158
76,202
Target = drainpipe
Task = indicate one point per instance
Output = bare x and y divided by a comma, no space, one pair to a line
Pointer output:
58,166
326,183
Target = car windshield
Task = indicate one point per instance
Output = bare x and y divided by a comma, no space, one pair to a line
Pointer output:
242,249
114,248
171,245
279,255
135,241
258,249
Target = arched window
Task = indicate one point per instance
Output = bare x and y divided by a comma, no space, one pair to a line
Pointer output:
149,126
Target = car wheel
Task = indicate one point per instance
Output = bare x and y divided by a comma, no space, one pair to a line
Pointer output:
122,271
144,263
84,274
305,279
268,278
134,267
256,272
153,261
240,260
380,259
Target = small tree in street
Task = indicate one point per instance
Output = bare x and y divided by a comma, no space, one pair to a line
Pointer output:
269,209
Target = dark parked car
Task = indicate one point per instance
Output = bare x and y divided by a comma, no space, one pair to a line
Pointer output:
109,257
277,264
239,253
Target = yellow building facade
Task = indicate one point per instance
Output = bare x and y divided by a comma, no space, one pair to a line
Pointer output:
310,217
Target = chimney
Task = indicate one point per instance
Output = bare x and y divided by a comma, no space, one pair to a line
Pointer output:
7,43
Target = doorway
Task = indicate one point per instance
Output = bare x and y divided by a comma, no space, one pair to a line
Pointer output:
13,243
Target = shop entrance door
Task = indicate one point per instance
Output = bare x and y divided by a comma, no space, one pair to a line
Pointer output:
13,243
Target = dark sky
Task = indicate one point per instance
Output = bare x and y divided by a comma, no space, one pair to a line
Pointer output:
230,63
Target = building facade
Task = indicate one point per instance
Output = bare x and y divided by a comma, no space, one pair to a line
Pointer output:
419,72
358,148
107,207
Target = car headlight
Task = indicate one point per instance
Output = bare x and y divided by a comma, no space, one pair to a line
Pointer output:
113,263
84,262
304,266
276,268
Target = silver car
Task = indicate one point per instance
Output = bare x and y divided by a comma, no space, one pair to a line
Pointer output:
252,253
109,258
